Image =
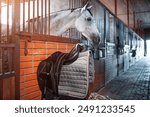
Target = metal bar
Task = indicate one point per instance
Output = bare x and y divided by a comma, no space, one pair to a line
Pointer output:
0,21
48,17
29,16
72,4
42,16
45,17
8,21
115,7
23,15
128,23
69,3
134,20
37,16
33,23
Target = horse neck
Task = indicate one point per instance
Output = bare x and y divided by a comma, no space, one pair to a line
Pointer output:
62,21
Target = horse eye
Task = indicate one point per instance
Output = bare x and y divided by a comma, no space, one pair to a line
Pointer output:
89,19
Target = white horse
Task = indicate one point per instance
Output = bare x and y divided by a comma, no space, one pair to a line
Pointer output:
79,18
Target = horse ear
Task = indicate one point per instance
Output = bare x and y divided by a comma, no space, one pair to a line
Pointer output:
85,7
89,7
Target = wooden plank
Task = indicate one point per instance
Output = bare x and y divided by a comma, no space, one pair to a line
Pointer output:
5,76
16,29
30,90
37,98
30,77
13,91
30,83
9,45
22,44
47,38
1,89
10,59
31,58
31,96
26,65
9,88
3,62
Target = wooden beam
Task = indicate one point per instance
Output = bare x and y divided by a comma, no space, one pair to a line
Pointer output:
9,45
6,76
16,29
46,38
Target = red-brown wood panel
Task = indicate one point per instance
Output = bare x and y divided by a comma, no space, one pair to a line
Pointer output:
1,89
7,88
37,51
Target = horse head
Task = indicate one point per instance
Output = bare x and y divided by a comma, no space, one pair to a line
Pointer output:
86,24
80,18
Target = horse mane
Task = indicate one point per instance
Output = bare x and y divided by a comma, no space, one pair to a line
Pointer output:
56,13
52,14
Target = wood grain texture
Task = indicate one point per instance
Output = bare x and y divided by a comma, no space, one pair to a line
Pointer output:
37,51
7,88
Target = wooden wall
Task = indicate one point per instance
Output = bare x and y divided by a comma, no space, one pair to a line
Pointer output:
37,51
40,50
7,88
121,10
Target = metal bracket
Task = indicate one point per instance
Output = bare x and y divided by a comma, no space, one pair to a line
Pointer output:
26,46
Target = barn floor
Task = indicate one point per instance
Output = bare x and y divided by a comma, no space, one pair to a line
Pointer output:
134,84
